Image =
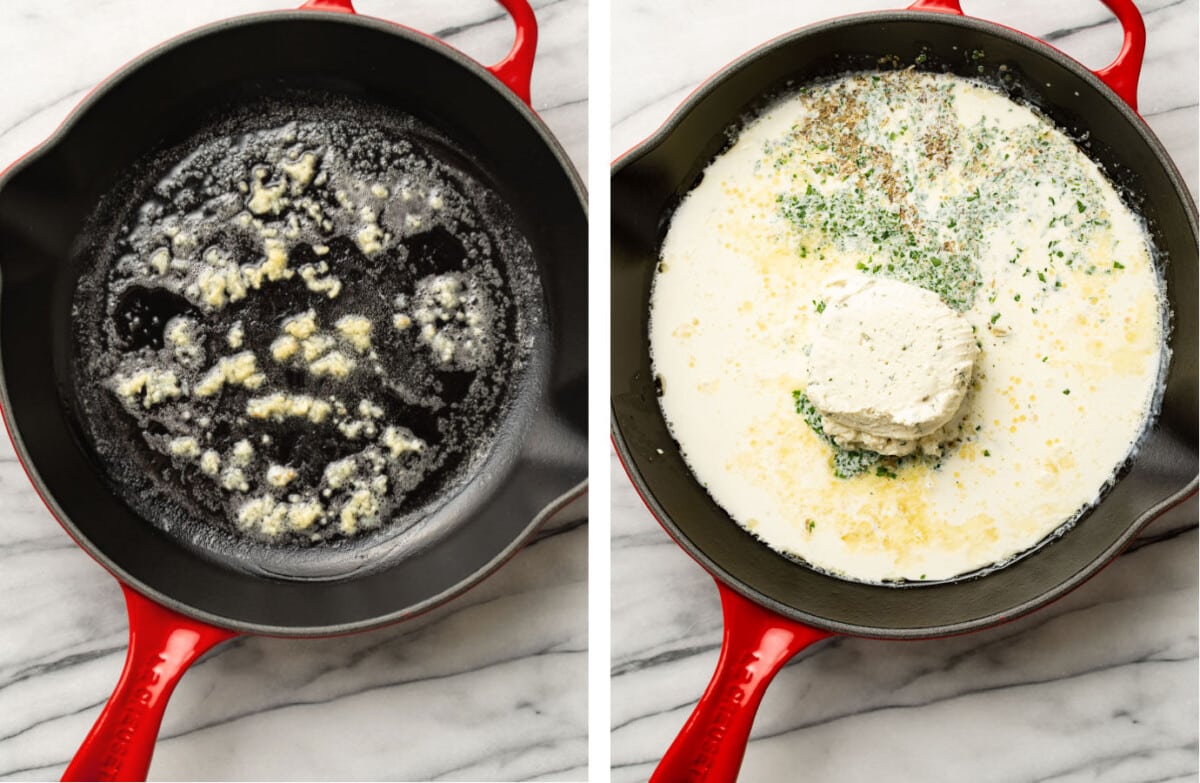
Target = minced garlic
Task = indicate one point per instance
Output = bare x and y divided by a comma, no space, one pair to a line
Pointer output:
301,172
356,330
237,370
280,475
301,326
266,198
160,260
284,348
334,364
186,447
236,335
280,406
243,453
313,281
339,472
210,463
401,441
155,386
315,347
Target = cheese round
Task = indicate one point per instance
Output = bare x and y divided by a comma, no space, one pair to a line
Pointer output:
889,364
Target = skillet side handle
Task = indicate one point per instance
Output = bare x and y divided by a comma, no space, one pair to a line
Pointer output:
342,6
941,6
756,645
162,644
516,69
1122,74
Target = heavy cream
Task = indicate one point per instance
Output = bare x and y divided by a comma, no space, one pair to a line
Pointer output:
949,186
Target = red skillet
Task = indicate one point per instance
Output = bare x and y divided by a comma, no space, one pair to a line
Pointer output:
772,606
183,602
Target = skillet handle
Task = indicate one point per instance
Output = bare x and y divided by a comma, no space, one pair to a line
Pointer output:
756,645
162,644
341,6
515,71
1122,74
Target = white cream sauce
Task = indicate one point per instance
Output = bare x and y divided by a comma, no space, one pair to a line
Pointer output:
947,184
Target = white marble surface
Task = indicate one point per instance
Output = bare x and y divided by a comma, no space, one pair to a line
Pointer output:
1100,686
489,687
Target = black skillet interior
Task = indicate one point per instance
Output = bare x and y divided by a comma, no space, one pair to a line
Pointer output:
539,456
649,182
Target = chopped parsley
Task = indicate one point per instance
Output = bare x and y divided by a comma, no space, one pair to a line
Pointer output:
851,222
849,463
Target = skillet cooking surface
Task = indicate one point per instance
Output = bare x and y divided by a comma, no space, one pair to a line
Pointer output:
387,220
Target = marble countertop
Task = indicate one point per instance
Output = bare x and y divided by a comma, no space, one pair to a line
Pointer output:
1100,686
492,686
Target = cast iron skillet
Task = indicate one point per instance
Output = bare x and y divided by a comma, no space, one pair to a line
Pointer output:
773,607
182,602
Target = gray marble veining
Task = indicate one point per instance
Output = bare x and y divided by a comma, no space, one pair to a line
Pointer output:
489,687
1099,686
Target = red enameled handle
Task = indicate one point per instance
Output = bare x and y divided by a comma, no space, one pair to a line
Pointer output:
162,644
515,71
941,6
756,645
1121,75
341,6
